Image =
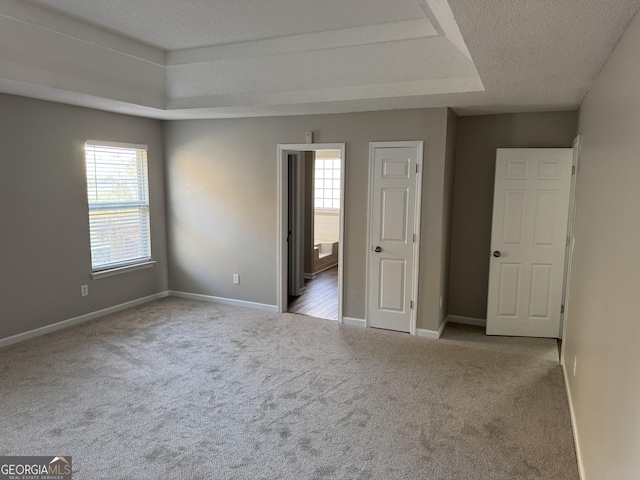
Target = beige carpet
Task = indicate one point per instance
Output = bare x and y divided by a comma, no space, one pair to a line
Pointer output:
179,389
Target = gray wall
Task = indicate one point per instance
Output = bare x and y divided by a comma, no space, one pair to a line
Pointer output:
603,327
308,166
447,216
222,200
44,223
477,140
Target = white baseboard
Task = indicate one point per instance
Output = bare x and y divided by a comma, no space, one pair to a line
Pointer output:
436,334
574,426
354,322
224,301
309,276
21,337
478,322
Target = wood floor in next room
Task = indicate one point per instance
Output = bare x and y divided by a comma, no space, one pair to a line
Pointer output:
320,298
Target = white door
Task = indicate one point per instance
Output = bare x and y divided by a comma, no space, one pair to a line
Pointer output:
393,227
528,240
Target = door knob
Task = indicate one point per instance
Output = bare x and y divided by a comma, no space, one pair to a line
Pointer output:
497,253
377,249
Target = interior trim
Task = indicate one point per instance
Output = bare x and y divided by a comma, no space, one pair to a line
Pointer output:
21,337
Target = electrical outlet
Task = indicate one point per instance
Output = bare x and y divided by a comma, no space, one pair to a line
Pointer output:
575,364
236,278
84,290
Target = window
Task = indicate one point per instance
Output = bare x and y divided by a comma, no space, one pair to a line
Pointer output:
327,183
118,192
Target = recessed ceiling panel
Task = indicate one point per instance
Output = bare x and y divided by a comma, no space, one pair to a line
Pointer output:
175,25
363,65
322,56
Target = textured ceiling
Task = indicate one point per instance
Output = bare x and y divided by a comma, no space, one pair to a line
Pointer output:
179,24
538,54
289,57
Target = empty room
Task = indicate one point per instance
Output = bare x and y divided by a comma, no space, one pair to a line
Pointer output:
319,240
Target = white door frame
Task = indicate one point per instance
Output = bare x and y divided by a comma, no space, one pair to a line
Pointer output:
570,230
419,146
283,188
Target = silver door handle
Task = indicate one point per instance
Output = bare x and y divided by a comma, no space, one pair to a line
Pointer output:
497,253
377,249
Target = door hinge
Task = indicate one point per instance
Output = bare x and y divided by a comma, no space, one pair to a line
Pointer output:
568,241
411,304
417,167
573,170
414,238
561,308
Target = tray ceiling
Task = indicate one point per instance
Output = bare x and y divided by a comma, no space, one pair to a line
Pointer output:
176,25
229,58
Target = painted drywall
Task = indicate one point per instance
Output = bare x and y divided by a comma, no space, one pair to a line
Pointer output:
307,164
478,138
44,222
222,200
603,331
447,211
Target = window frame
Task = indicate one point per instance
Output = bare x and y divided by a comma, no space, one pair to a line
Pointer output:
142,203
333,189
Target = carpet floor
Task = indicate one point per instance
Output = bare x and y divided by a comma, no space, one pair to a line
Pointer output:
181,389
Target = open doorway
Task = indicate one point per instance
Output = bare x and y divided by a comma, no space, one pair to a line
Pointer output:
311,228
321,229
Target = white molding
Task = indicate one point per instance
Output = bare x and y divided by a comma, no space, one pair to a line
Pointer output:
309,276
21,337
442,19
306,42
577,146
435,334
104,143
423,332
224,301
429,86
282,185
354,322
97,275
478,322
574,425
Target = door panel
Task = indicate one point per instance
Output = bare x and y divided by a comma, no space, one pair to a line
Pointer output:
391,236
530,212
540,291
394,212
546,205
512,221
392,285
509,289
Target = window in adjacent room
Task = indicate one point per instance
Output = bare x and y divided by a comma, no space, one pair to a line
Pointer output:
327,183
118,193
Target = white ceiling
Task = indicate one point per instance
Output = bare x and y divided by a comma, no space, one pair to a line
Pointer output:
176,25
230,58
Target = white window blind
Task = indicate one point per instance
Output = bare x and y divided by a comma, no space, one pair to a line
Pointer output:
118,192
327,183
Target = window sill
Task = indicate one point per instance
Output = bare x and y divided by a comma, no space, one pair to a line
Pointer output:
118,270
